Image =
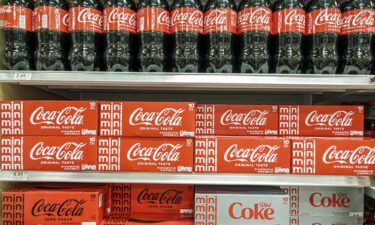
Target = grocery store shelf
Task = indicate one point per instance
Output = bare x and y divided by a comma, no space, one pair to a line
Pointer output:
167,178
181,81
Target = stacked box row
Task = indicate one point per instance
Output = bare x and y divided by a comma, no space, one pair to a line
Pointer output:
183,204
172,119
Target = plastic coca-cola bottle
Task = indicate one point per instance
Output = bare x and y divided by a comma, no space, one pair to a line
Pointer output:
357,37
86,27
288,29
16,33
254,28
153,26
120,27
220,28
51,28
186,31
323,25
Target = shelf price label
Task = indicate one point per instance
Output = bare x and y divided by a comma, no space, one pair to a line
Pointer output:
13,175
22,76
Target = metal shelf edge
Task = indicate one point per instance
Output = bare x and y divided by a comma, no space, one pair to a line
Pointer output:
203,179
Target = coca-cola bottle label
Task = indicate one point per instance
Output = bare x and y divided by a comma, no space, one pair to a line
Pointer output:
120,19
360,20
187,19
51,18
323,20
16,17
220,20
153,19
254,18
88,19
289,20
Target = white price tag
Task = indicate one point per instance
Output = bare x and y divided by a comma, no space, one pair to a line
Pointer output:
14,175
22,76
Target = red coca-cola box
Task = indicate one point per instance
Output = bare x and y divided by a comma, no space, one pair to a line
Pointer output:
160,202
333,156
173,155
322,121
147,119
53,118
258,155
237,120
120,199
51,207
52,153
170,222
115,219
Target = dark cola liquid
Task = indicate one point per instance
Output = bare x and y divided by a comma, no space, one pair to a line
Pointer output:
16,36
219,41
255,53
86,38
355,46
120,35
52,35
287,41
154,49
321,47
186,29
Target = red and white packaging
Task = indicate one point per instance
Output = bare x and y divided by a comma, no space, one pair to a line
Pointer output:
258,155
120,19
323,20
322,121
237,120
173,155
187,19
289,20
153,19
115,219
258,206
51,18
326,220
86,19
50,118
356,21
50,153
325,201
16,17
255,19
170,222
120,199
51,207
155,202
220,20
147,119
336,156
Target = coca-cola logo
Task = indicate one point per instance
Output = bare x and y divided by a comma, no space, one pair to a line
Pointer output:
335,200
5,9
65,20
117,15
194,18
336,119
69,151
166,117
67,116
363,155
364,17
325,17
260,154
259,211
163,18
168,197
68,208
216,17
257,16
251,118
88,16
294,17
165,153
